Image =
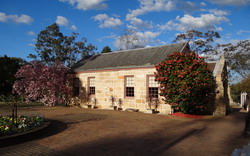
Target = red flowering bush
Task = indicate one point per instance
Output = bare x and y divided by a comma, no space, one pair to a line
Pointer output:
185,82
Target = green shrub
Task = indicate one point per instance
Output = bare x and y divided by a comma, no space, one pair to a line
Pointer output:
185,82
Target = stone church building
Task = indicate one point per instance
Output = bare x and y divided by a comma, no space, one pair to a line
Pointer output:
127,77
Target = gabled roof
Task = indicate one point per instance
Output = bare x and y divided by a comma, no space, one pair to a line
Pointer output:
213,66
143,57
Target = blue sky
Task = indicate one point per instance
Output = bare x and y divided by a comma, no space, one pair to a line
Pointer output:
157,22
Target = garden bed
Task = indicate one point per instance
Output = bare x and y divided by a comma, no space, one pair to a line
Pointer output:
11,125
179,114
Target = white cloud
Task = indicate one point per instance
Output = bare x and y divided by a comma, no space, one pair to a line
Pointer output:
231,2
243,31
60,20
31,33
73,27
63,21
107,22
205,21
138,23
150,6
147,6
218,12
203,4
87,4
188,6
148,35
23,19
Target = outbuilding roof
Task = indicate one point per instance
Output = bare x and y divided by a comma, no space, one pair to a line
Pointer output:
143,57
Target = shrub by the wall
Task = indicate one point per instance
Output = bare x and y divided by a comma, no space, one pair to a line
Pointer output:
185,82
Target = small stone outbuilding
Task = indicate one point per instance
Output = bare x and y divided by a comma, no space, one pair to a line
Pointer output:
128,77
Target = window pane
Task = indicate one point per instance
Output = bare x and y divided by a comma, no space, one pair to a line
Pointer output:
91,85
129,81
153,92
130,91
76,88
76,82
152,82
92,82
91,90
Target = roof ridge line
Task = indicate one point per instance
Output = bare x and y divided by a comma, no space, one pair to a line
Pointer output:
121,51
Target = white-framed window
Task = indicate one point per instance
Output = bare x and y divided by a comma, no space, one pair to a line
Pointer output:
91,82
129,86
152,87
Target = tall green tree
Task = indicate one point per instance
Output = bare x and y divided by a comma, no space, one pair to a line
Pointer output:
106,49
53,46
8,68
238,88
201,42
238,56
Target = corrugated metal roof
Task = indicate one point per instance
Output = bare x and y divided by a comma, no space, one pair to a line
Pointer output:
143,57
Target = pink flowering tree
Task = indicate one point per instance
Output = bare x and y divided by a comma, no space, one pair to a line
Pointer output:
185,82
48,84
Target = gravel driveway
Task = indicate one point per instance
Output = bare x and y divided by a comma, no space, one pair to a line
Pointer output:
78,131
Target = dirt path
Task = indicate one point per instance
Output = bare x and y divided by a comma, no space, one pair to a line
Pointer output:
101,132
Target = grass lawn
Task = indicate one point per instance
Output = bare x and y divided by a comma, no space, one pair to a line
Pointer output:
30,104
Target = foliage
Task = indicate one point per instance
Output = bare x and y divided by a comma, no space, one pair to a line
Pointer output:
238,56
48,84
120,103
112,99
185,82
153,103
22,124
200,42
129,40
238,88
11,99
9,67
53,46
106,49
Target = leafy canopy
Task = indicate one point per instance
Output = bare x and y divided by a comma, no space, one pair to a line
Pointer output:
185,82
49,84
240,87
8,69
201,42
53,46
106,49
238,56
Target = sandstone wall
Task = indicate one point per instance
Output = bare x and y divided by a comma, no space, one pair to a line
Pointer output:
111,83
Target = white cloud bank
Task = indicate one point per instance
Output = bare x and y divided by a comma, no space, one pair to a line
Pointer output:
87,4
22,19
205,21
60,20
231,2
106,21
